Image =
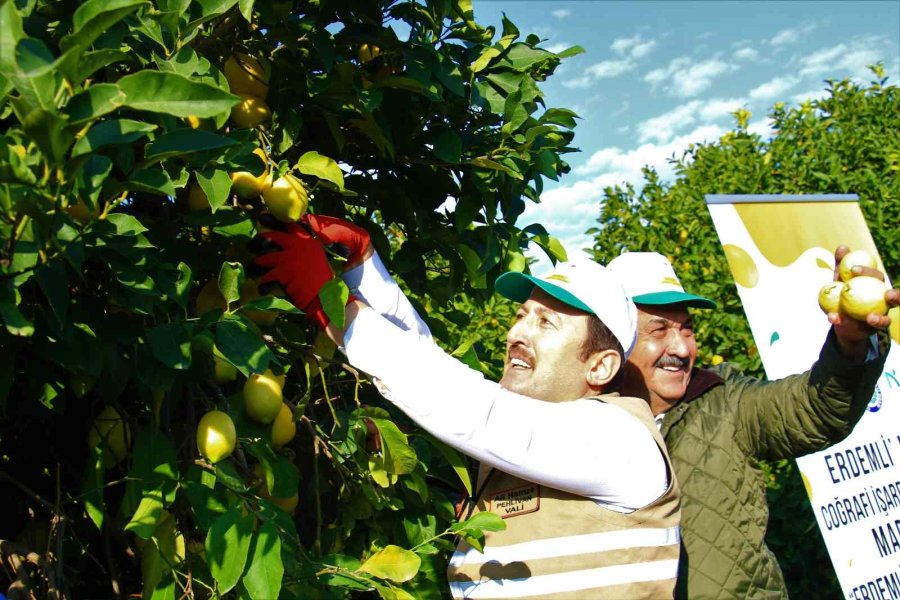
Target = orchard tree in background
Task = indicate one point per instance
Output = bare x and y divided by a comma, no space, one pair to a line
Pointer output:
167,428
846,142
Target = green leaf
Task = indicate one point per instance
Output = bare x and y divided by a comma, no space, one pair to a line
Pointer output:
472,262
210,9
313,163
552,247
270,303
175,95
243,348
147,515
186,140
559,116
393,563
125,224
448,146
571,51
487,163
334,295
246,9
457,461
15,322
82,65
49,132
485,521
54,283
231,278
266,570
34,77
171,344
92,487
227,543
217,187
484,59
95,17
94,102
111,132
152,181
399,457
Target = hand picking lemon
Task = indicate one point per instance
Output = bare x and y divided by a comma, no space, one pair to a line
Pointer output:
250,112
216,436
286,199
247,185
262,398
110,430
830,296
283,427
855,258
863,295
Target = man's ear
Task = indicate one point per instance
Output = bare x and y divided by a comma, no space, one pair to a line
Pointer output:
604,366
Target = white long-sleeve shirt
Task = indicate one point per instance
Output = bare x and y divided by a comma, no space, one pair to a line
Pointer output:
584,447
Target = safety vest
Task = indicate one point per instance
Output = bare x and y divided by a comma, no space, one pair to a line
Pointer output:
559,545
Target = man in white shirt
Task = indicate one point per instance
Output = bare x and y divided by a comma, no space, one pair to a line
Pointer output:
580,475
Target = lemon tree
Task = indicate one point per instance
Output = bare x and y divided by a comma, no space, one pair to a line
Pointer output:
845,142
143,144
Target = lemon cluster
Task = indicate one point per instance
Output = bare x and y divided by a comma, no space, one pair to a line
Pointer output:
854,295
264,403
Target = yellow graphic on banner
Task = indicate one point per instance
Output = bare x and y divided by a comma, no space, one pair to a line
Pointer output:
742,266
774,228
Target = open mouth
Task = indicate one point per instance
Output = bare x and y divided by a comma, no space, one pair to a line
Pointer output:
518,363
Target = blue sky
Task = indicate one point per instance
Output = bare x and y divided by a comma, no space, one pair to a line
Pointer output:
657,76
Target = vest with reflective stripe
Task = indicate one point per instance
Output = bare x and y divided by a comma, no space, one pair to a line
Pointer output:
559,545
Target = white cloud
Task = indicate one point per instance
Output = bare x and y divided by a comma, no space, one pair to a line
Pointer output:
746,53
718,108
633,47
609,68
578,83
557,47
784,37
663,127
561,13
816,94
762,127
567,211
844,59
774,88
685,78
666,126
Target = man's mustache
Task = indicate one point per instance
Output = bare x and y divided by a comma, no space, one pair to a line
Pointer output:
672,361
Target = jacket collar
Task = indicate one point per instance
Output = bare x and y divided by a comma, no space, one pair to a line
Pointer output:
702,380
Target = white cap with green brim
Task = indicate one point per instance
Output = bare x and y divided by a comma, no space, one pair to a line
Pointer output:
649,278
584,285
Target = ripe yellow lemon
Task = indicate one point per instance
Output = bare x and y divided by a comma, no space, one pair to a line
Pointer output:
110,430
194,121
262,398
855,258
286,199
367,52
216,436
280,379
830,296
863,295
210,298
80,212
247,75
250,112
247,185
197,199
225,372
283,427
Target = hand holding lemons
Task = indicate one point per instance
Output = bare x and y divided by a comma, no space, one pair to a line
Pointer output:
216,436
855,258
863,295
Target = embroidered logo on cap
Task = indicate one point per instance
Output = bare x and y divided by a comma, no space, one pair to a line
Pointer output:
557,277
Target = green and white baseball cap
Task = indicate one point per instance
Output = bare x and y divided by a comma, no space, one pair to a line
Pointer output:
584,285
648,277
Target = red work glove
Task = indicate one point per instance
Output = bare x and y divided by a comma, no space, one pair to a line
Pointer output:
332,230
301,268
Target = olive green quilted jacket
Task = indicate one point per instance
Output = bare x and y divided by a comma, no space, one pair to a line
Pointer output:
728,422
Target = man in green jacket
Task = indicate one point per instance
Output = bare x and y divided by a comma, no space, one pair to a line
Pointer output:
719,423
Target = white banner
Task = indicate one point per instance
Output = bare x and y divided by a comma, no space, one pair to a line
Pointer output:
781,251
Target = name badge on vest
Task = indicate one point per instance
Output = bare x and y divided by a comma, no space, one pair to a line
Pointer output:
516,501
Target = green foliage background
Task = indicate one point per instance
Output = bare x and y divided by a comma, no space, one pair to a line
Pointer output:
847,142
